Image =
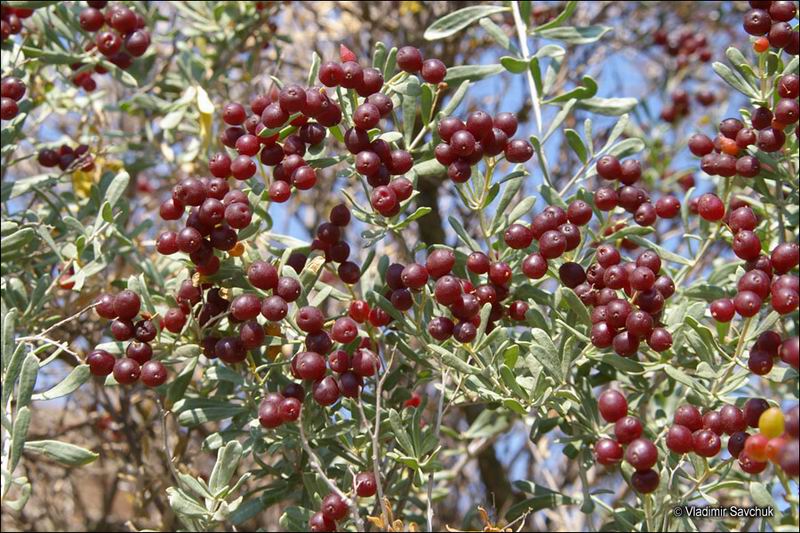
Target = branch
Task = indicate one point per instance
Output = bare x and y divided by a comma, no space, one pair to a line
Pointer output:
315,464
523,46
440,410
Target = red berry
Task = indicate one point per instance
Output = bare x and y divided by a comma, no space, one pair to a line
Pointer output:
126,371
365,484
612,405
334,507
101,363
689,416
409,59
710,207
645,481
154,374
608,167
679,439
608,451
641,454
127,304
433,71
753,409
627,429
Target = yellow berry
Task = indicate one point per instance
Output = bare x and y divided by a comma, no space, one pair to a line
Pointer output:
771,423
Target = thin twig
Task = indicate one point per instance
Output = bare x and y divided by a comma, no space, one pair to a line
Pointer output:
167,451
61,322
315,464
523,45
376,434
440,410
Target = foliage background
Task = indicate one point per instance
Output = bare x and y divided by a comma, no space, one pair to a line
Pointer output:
156,126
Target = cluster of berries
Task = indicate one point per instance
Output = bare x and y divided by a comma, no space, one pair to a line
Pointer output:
464,145
769,346
330,240
67,158
618,322
334,507
723,156
216,212
125,39
770,22
760,281
633,199
776,440
11,19
259,133
12,90
375,159
685,45
123,308
640,452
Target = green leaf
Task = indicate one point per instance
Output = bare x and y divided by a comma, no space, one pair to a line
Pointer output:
456,99
18,434
542,498
608,106
623,364
79,375
454,362
401,433
735,80
12,371
426,103
378,57
314,70
626,148
497,33
24,496
559,20
429,168
573,35
52,57
510,381
761,495
7,343
27,379
410,109
522,208
227,462
462,233
487,424
558,119
184,505
177,388
663,252
456,21
463,73
587,89
576,143
514,65
680,376
576,305
17,240
62,452
201,415
512,188
543,349
117,188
